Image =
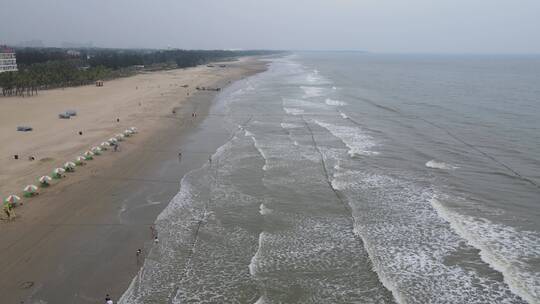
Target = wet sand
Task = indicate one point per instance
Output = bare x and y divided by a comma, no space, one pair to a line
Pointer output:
77,241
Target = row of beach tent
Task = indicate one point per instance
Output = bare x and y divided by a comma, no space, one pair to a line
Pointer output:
14,200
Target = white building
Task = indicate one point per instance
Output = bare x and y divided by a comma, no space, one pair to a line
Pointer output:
8,62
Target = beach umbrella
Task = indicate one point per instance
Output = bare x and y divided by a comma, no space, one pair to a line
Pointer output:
88,155
45,180
104,145
96,150
79,161
133,129
12,199
70,166
127,133
30,190
57,173
119,136
112,140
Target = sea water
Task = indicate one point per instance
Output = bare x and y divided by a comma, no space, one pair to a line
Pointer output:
362,178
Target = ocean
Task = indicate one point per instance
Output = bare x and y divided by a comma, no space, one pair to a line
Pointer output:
352,177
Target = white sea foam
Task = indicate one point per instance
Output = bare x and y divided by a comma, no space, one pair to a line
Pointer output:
315,78
263,210
175,224
261,152
254,260
332,102
440,165
409,244
358,142
293,111
311,106
504,248
286,125
310,92
262,300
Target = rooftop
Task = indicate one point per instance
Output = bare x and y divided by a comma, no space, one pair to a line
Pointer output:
6,49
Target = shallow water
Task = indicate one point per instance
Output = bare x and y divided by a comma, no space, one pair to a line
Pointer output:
357,178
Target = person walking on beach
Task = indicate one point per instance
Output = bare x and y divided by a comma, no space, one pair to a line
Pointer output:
108,299
154,232
139,254
156,240
7,211
115,146
179,156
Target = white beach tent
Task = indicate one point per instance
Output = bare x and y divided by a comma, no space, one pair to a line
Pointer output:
58,172
30,190
88,155
96,150
79,161
12,199
104,145
70,166
45,180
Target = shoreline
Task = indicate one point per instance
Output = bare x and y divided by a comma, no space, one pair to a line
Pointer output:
76,241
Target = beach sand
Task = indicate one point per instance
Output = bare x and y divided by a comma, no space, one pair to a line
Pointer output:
77,240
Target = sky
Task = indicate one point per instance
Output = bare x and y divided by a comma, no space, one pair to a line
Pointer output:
389,26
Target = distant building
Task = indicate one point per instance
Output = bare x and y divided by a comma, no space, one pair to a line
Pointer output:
73,53
8,62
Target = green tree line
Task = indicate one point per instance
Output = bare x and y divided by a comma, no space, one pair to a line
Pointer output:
53,67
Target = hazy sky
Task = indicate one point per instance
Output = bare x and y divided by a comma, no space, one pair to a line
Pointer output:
448,26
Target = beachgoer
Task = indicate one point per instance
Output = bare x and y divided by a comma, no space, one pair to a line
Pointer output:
108,300
179,156
156,240
7,211
80,132
138,254
153,230
115,147
16,156
117,119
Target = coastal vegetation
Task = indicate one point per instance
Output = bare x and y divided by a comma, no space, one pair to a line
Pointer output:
45,68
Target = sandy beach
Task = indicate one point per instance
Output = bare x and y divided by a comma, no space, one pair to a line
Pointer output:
76,241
